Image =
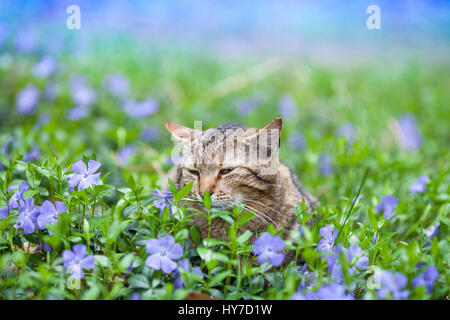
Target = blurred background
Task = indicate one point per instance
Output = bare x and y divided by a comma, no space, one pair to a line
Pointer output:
109,87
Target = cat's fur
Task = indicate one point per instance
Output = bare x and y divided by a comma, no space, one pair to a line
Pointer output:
271,194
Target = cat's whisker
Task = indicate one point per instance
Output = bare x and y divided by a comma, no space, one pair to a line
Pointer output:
260,203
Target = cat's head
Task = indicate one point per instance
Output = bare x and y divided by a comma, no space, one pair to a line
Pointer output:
235,163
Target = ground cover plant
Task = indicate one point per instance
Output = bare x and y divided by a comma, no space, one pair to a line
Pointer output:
84,154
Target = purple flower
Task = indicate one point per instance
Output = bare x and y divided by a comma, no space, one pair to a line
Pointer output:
82,95
135,296
332,291
307,280
43,120
374,238
348,132
27,99
48,213
163,200
75,261
46,247
287,106
184,264
328,234
297,140
420,185
150,134
78,113
246,106
126,153
325,165
266,247
426,278
117,84
407,134
45,67
14,201
432,231
141,109
33,154
393,284
162,253
51,90
387,204
354,257
25,41
28,213
83,176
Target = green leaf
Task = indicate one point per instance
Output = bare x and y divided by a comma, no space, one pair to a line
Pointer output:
139,281
181,235
129,211
183,192
221,276
101,260
207,200
243,238
194,231
244,218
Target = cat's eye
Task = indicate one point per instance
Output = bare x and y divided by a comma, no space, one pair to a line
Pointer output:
194,172
225,171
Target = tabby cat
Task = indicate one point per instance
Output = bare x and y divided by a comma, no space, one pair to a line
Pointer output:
222,160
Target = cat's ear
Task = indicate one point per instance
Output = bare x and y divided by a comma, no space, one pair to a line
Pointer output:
268,137
181,133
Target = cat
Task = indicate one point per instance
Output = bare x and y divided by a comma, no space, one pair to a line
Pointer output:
238,165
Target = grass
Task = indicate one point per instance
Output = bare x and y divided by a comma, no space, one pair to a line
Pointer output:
116,218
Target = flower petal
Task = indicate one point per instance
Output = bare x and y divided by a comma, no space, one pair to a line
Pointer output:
79,167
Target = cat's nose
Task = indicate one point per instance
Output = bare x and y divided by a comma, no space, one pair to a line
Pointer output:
202,193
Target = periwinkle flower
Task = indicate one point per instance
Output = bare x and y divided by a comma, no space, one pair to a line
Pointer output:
75,261
78,113
287,106
126,153
48,213
163,252
45,67
117,84
82,95
266,247
332,291
28,214
297,140
387,205
325,165
135,296
393,284
150,134
14,201
348,132
246,106
420,185
27,99
426,278
42,120
408,134
354,256
307,280
328,234
432,231
83,176
163,200
184,264
141,109
33,154
25,41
